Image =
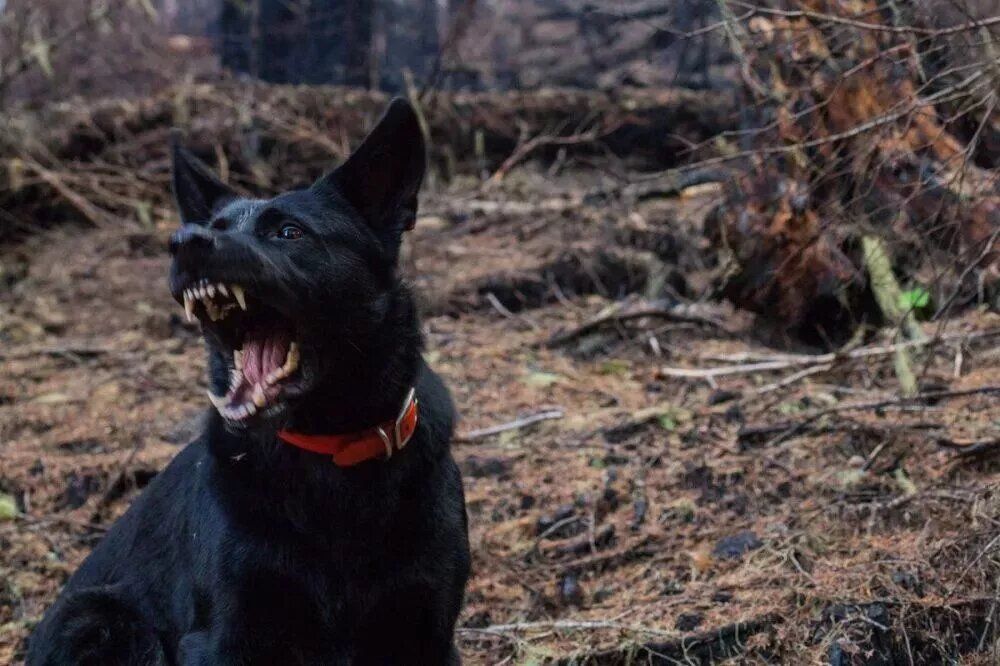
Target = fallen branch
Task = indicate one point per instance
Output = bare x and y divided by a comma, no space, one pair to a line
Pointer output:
619,313
525,148
786,361
76,351
516,424
970,448
564,625
704,647
812,417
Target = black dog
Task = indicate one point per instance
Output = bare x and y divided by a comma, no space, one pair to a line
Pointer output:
319,519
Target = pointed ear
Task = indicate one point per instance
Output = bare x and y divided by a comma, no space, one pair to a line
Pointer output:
197,191
382,177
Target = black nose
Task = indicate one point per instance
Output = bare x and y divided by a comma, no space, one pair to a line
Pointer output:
191,238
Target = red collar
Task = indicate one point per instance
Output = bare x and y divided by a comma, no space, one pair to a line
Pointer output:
356,447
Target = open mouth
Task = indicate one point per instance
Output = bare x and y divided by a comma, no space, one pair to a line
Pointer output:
265,356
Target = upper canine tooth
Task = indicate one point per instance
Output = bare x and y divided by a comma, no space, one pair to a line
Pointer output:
188,306
238,293
292,360
258,395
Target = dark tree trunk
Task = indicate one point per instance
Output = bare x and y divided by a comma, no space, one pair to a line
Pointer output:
358,24
429,41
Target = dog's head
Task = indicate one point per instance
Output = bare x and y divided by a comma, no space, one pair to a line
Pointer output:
289,291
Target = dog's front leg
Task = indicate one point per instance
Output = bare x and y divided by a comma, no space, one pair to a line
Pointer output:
267,619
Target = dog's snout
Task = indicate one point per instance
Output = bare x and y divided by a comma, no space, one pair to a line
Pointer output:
191,238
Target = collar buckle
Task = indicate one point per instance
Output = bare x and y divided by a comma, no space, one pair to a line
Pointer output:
397,441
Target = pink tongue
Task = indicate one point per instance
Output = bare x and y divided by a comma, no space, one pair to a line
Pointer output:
263,353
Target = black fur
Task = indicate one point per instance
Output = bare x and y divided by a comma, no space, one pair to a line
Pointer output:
245,550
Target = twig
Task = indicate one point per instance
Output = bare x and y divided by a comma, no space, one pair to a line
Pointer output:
704,647
987,250
794,377
60,520
29,56
878,404
567,625
94,214
786,361
619,313
970,448
505,311
72,351
878,27
516,424
527,147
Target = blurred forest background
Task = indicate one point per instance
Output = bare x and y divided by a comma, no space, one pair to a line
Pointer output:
715,284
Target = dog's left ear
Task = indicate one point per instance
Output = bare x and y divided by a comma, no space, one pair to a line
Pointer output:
382,177
197,191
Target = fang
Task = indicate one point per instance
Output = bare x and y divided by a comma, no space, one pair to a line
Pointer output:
240,296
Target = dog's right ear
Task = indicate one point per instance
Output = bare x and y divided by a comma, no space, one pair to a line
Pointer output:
197,191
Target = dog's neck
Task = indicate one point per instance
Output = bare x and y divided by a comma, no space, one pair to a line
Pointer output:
373,386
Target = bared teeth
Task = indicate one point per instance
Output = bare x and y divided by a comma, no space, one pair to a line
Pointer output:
238,358
240,296
189,305
217,400
291,361
259,399
290,365
206,292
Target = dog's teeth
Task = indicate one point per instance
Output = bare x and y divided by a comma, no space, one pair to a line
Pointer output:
188,306
240,296
222,289
250,409
258,396
291,361
218,401
234,379
238,358
211,290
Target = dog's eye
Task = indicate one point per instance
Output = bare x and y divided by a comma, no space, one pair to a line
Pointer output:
289,232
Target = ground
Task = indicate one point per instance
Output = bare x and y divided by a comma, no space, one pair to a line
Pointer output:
766,516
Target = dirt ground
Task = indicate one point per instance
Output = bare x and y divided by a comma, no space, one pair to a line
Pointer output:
800,514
